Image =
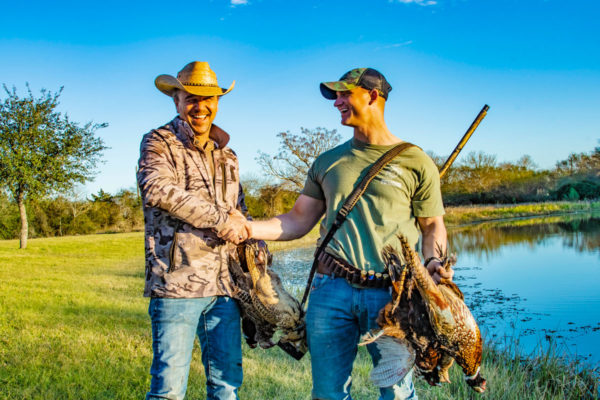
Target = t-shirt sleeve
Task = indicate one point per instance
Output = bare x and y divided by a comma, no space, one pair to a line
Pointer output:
427,200
312,187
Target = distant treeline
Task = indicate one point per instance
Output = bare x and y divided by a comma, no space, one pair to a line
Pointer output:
60,216
478,179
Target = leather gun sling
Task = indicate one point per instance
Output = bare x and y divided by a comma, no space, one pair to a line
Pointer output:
349,204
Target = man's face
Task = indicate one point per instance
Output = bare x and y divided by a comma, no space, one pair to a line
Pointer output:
198,111
353,105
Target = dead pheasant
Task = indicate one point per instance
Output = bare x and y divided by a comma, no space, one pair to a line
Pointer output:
433,319
266,306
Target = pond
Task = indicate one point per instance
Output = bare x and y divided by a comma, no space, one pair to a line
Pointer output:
535,280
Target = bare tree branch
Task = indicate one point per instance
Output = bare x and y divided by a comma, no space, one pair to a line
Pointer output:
296,154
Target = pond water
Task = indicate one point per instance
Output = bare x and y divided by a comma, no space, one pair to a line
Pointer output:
536,280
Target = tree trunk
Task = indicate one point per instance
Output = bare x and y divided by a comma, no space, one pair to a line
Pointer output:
24,226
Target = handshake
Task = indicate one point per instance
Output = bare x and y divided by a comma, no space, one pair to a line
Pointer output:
237,229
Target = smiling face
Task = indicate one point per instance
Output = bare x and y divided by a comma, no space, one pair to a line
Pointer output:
198,111
353,106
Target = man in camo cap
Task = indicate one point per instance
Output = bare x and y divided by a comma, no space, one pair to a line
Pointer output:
402,198
190,187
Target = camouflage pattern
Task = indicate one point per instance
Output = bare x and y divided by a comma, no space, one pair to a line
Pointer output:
348,81
367,78
184,206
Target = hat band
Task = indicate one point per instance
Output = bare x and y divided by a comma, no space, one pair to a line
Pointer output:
199,84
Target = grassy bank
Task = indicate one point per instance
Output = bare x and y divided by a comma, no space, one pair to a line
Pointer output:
461,215
73,325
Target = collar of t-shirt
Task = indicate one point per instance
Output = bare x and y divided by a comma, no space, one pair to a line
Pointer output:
207,147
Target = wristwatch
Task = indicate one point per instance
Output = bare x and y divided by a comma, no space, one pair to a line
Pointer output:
431,259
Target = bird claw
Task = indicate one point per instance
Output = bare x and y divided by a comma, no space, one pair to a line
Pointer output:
267,344
369,337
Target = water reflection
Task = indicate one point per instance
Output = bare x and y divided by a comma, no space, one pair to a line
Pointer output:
536,279
578,231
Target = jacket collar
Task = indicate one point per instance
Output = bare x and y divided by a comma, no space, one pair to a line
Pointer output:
218,135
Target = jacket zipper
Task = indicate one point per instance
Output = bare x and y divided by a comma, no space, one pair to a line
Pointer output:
224,183
172,253
172,249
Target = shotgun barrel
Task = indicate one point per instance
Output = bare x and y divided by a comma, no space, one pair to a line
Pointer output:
464,140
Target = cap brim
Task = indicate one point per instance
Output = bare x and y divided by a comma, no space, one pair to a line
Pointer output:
169,84
329,89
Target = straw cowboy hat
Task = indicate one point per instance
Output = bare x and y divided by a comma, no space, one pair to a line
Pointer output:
195,78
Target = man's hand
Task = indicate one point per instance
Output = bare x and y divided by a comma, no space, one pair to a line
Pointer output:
438,272
237,229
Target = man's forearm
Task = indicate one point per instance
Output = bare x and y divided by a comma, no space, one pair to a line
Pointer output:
163,194
434,236
298,222
282,227
434,245
434,241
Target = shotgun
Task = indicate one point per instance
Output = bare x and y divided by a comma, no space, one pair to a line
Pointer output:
464,140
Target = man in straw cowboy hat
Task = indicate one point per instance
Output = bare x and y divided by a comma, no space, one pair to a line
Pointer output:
190,187
403,195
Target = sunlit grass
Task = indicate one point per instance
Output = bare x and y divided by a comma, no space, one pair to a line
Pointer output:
468,214
73,325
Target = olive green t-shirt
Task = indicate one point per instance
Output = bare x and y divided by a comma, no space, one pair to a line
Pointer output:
408,187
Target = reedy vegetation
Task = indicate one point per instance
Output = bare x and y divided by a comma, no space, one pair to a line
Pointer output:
74,325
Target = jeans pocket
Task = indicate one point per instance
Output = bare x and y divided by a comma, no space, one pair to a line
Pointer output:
318,281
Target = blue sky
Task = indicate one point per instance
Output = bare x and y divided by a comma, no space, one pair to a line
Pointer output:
535,62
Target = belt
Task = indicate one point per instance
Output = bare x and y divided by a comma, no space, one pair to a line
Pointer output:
330,265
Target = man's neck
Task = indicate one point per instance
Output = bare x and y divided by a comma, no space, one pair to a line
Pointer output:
375,132
201,139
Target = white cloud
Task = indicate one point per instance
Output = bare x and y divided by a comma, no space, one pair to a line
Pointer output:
408,42
418,2
238,2
390,46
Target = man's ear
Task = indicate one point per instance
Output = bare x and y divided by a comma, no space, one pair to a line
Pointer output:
374,94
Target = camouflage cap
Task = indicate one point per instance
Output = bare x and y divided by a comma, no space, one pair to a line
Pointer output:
367,78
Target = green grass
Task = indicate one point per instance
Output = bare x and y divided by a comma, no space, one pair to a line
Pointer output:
73,325
460,215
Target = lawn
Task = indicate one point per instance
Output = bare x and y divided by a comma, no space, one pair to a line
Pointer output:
73,325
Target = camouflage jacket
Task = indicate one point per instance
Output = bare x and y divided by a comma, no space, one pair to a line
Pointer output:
183,208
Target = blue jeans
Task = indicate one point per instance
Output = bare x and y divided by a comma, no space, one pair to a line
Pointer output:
175,323
338,314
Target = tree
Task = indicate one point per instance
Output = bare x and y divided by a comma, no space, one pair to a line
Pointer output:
42,151
580,164
296,155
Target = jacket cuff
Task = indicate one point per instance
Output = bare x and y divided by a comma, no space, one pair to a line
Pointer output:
224,220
